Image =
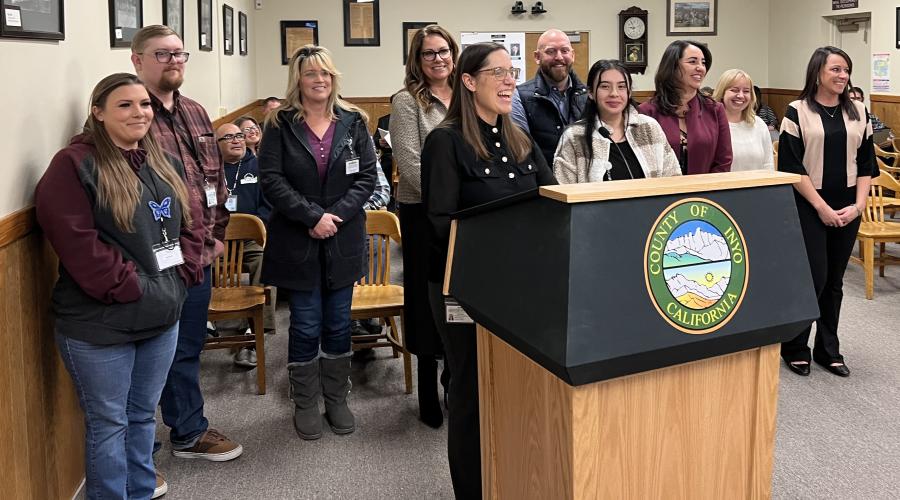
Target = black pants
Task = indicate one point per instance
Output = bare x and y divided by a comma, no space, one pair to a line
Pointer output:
463,427
828,250
421,334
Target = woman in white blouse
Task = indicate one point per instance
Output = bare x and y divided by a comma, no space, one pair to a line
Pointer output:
751,143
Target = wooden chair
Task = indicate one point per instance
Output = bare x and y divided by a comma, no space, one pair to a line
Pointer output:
882,154
893,171
232,300
375,297
775,153
874,229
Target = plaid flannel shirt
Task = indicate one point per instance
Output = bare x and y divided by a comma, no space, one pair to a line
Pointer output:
202,160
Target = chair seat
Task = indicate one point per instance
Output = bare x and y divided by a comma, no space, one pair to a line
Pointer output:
879,230
236,299
376,297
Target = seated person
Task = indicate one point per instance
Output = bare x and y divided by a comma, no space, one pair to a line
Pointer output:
856,94
764,111
245,196
271,104
385,153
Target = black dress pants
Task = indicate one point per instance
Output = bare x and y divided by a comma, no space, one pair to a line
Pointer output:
463,426
828,250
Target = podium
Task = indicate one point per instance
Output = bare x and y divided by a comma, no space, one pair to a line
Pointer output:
628,334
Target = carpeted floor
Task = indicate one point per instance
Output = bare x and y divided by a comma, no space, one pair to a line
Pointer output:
837,438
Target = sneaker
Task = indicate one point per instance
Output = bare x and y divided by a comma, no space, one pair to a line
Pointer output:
161,486
212,446
246,357
211,329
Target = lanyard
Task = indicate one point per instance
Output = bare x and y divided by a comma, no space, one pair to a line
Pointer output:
237,175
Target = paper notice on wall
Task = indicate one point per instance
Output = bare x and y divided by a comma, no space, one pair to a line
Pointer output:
881,72
13,17
514,43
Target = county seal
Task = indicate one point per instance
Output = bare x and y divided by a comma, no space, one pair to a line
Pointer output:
695,266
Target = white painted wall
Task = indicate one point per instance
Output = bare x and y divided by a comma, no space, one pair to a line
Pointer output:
45,85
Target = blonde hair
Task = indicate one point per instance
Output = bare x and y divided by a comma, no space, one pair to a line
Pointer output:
148,33
415,82
726,81
118,189
321,57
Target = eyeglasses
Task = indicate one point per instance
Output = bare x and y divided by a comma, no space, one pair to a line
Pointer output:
552,51
250,130
231,137
431,55
165,56
307,51
501,73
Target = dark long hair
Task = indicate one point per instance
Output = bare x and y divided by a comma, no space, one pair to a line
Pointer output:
414,81
591,115
462,106
811,87
668,76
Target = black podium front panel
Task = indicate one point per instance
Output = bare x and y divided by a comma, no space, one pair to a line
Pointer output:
597,290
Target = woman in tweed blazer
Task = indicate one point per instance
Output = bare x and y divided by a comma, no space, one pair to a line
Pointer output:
612,140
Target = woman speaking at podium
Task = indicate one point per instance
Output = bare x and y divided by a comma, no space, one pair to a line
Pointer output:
476,155
826,137
612,141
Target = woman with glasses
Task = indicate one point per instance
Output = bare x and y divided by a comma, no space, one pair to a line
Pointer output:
826,137
612,141
415,111
252,133
317,169
695,125
474,156
116,210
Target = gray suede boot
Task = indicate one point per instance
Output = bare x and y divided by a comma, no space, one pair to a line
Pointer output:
335,387
305,391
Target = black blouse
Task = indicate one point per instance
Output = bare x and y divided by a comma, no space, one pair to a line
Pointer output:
625,164
455,178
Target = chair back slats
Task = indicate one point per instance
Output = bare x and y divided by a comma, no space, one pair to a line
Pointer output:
381,227
874,211
227,267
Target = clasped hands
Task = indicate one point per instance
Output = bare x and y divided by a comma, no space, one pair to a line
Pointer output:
838,218
326,227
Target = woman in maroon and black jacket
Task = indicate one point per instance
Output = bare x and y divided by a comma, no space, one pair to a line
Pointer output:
116,210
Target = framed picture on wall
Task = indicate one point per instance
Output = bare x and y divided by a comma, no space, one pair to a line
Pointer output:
126,17
41,20
361,23
296,34
228,29
409,30
242,33
205,21
695,18
173,16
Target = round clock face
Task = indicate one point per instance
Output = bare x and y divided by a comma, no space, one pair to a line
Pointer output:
634,28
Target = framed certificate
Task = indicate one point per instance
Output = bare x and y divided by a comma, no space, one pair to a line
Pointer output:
361,23
38,19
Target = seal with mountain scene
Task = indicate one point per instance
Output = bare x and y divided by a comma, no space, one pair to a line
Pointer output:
695,265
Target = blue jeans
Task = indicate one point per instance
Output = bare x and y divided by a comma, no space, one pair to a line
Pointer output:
320,316
119,387
182,401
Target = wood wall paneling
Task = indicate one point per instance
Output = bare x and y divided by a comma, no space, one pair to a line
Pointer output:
887,109
582,54
40,421
778,99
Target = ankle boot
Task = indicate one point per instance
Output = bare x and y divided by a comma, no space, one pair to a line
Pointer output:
305,392
335,387
429,408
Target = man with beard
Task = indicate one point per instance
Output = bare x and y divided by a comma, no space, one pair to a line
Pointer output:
554,98
182,128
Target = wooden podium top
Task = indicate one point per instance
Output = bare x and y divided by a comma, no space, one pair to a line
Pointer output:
638,188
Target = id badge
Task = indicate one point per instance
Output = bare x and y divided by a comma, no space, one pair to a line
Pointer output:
210,196
168,254
454,313
352,166
231,203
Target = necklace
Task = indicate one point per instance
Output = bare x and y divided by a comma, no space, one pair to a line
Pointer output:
831,115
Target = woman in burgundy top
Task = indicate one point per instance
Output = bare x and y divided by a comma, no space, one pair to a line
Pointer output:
695,125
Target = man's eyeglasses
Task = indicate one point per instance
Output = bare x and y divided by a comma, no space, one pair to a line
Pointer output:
501,73
231,137
250,130
431,55
165,56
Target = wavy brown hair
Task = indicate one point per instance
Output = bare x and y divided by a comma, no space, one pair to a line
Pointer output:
415,82
816,62
668,75
118,188
321,57
462,106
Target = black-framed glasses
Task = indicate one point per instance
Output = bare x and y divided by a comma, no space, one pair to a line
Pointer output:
500,73
431,55
231,137
165,56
